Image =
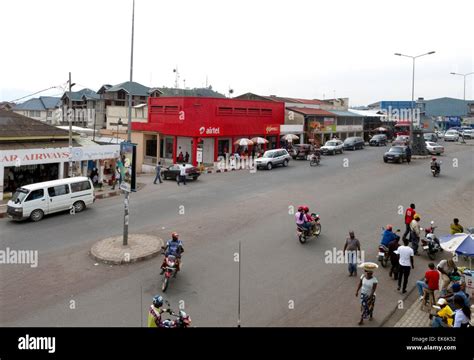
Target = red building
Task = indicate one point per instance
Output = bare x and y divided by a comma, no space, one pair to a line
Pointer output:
184,124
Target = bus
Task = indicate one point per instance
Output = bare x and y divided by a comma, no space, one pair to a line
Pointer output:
403,128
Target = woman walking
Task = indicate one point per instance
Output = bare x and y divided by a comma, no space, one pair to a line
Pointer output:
367,286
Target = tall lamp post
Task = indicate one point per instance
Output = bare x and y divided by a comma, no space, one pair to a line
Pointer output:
69,115
413,83
464,76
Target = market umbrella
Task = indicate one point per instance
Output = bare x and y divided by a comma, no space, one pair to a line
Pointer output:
380,129
290,137
462,244
259,140
243,142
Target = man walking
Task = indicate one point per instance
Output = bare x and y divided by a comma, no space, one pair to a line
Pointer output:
392,247
408,152
352,246
415,233
182,174
158,173
409,213
405,261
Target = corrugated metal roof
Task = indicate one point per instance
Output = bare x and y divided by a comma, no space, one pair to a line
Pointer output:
310,111
134,88
345,113
15,125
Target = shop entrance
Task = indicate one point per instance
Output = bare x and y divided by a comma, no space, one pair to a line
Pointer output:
223,147
17,176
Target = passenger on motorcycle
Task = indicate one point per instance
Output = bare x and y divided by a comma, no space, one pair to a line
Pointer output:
154,314
387,236
434,164
173,247
302,219
310,219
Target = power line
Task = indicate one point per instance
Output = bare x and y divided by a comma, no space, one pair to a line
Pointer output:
52,87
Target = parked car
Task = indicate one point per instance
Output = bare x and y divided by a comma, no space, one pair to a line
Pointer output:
434,148
171,172
301,151
36,200
432,137
439,134
332,147
396,154
451,135
378,140
354,143
272,158
468,133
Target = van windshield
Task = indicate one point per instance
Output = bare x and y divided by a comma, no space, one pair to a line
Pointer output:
19,195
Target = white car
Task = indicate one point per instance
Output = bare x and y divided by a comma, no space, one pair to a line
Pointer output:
272,158
434,148
451,135
332,147
468,133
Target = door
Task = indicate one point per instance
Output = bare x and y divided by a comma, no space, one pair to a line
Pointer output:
59,198
35,200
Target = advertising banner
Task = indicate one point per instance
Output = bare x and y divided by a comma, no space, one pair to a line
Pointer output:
127,165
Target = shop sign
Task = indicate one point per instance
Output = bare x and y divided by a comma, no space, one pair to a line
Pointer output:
343,128
127,166
210,130
199,155
328,121
272,129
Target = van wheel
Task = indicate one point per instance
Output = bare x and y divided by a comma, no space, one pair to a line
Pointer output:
269,166
285,163
79,206
36,215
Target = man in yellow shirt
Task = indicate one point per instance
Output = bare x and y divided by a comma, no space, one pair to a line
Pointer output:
456,228
154,314
445,316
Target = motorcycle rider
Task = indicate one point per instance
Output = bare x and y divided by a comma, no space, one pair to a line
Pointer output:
309,219
301,218
154,314
415,233
387,236
173,247
435,164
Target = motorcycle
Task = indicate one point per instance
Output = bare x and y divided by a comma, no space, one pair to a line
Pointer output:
182,320
383,255
436,169
314,160
429,243
303,234
170,270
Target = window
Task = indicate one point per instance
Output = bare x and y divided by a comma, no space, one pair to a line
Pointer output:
240,111
37,114
35,195
150,149
50,114
31,113
157,109
224,111
80,186
171,109
253,112
266,112
58,190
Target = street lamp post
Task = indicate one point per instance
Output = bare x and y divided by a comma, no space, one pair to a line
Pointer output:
69,115
464,76
413,84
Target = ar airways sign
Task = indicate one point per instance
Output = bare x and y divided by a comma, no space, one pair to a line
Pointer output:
209,131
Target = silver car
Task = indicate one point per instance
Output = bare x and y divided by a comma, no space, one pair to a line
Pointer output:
272,158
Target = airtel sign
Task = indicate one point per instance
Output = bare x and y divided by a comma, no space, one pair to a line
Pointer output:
209,131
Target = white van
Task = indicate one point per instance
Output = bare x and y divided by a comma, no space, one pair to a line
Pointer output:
36,200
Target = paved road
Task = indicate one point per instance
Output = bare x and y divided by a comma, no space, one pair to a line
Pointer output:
284,283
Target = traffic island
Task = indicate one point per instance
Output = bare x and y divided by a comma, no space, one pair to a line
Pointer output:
140,247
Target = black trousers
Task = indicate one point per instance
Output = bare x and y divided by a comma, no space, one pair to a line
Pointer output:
403,271
407,231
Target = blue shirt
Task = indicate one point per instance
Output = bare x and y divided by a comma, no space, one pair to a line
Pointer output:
387,236
173,247
462,294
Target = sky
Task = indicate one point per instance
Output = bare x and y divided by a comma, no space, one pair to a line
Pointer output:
305,49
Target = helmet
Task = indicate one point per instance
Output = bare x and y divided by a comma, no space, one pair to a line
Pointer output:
433,158
300,208
305,208
389,227
158,300
174,235
416,217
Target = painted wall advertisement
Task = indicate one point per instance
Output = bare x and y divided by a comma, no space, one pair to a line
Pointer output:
127,166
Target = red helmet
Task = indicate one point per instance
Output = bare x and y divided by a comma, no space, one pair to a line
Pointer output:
174,235
433,158
389,227
300,208
305,208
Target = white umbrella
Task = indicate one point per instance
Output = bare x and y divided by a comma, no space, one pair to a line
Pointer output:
243,142
259,140
290,137
461,243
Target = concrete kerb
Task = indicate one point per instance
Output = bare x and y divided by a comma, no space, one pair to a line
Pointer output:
140,247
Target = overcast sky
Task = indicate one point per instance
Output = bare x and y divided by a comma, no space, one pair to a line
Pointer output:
307,49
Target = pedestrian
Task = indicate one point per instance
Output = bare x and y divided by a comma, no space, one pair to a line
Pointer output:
415,233
180,157
456,228
182,174
405,259
186,158
446,267
444,317
352,246
430,282
367,286
392,248
117,177
462,314
158,173
408,153
409,213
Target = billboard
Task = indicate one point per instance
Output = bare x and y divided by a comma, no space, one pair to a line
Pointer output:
127,165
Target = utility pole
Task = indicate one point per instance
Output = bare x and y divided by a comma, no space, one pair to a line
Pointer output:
129,133
69,115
